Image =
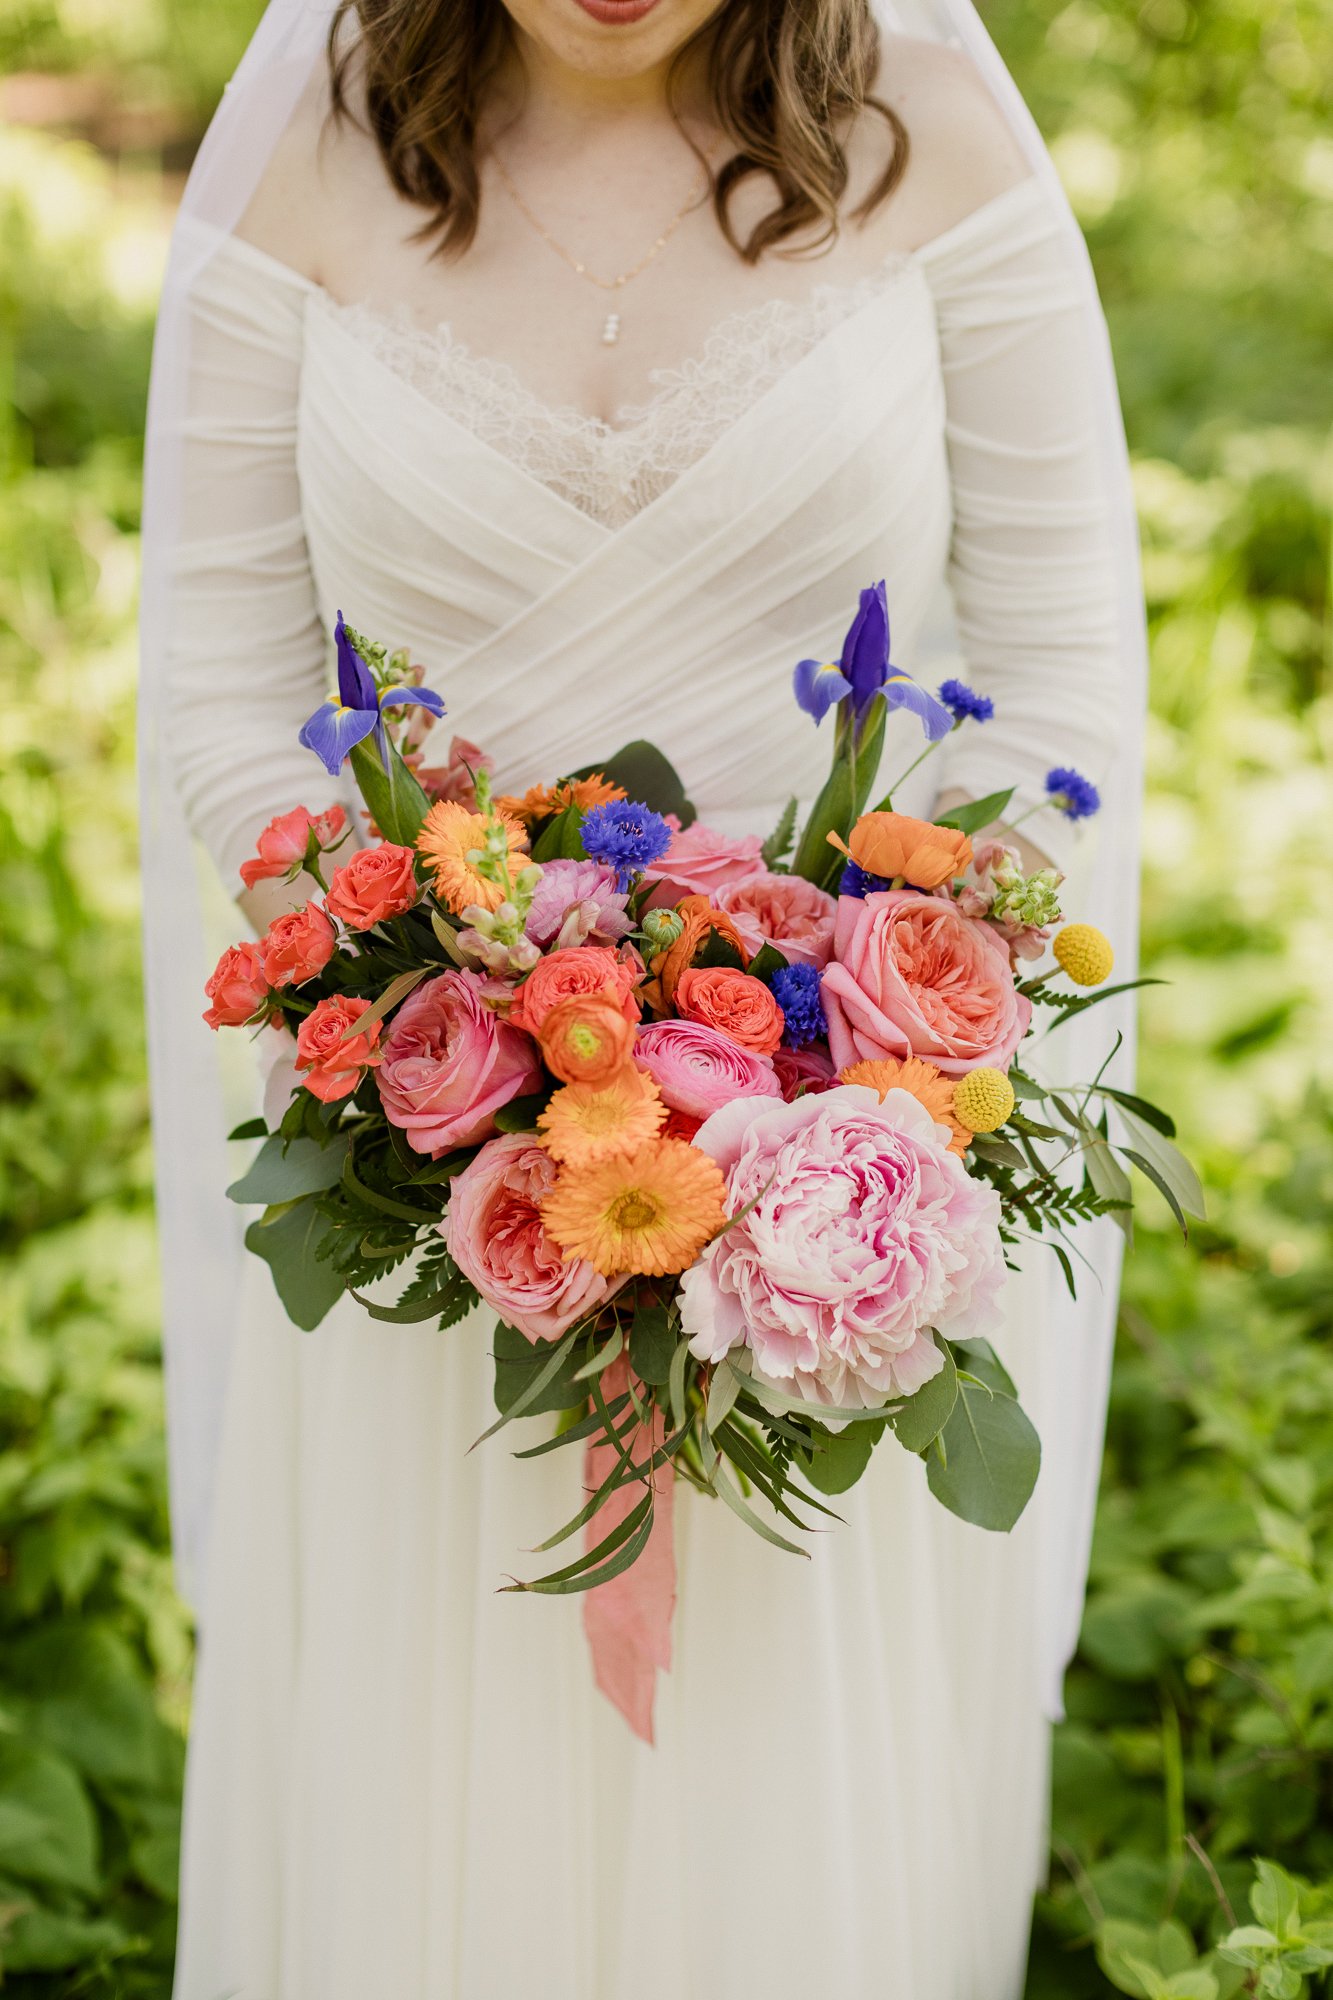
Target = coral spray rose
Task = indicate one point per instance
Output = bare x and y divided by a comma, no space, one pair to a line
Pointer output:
495,1233
238,988
297,946
891,844
581,971
331,1060
736,1005
450,1062
285,841
377,883
912,976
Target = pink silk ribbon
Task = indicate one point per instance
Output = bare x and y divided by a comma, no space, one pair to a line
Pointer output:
628,1619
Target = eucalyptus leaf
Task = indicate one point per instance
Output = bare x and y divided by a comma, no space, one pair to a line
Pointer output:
1168,1161
307,1283
284,1170
841,1458
992,1456
723,1390
919,1421
520,1361
652,1344
979,813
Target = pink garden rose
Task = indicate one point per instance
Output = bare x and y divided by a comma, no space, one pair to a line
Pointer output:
496,1236
865,1233
785,911
698,1069
700,862
912,976
807,1070
576,902
449,1063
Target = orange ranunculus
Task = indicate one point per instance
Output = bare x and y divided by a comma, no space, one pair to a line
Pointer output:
576,971
700,917
894,845
928,1085
739,1007
586,1038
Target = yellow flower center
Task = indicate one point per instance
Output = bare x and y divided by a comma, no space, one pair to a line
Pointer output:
583,1039
1084,954
634,1210
982,1100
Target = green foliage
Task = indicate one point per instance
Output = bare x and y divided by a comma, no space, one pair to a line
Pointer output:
1200,1729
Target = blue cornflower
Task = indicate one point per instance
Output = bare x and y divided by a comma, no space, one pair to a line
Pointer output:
866,670
855,882
796,990
626,837
964,703
356,711
1073,795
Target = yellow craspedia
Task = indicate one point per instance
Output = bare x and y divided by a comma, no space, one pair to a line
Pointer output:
1084,953
983,1099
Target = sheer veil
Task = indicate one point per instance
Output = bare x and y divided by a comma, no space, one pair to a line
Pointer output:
186,920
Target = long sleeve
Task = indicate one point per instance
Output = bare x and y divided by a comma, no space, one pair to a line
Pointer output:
1032,567
246,652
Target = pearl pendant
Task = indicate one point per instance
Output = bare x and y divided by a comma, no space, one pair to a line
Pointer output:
611,331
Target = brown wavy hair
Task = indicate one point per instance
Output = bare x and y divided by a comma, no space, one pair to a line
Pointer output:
786,78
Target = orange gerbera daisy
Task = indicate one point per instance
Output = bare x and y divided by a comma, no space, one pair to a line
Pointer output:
585,1121
923,1081
650,1210
543,801
449,833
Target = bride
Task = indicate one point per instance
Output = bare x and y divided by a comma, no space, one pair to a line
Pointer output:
599,352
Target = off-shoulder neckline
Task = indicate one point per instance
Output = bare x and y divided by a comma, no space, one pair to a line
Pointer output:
985,221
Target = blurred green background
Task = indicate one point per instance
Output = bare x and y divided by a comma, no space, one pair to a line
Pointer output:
1194,139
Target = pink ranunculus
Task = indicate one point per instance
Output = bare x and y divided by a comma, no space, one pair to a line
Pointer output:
455,780
698,1069
866,1232
297,946
496,1236
377,883
912,976
449,1064
576,902
237,988
700,862
785,911
285,839
805,1071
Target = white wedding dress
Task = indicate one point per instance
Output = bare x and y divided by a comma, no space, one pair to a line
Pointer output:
403,1785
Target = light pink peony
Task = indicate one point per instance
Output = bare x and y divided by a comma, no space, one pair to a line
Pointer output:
698,1069
496,1236
449,1064
700,862
865,1233
912,976
785,911
576,902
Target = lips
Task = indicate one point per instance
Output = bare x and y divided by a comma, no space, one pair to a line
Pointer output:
617,13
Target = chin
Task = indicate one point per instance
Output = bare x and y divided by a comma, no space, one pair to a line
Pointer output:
611,38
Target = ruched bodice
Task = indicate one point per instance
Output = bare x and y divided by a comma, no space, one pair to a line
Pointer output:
569,584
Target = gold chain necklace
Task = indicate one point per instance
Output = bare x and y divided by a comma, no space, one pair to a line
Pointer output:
611,328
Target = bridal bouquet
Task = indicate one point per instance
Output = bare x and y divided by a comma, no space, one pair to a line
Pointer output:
735,1137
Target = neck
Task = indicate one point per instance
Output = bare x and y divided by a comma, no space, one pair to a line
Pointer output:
561,107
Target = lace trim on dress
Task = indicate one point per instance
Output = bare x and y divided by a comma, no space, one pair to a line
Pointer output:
611,471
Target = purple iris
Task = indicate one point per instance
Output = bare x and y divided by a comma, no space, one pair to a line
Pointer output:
356,711
864,671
